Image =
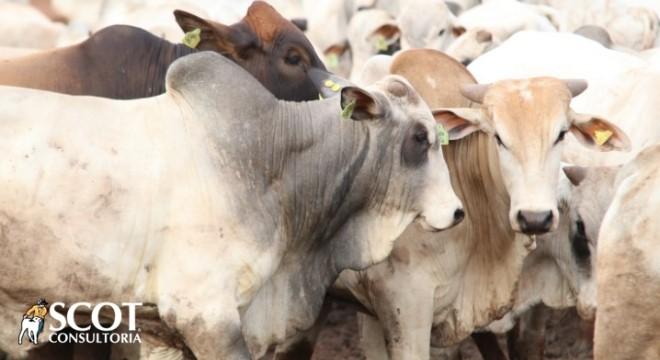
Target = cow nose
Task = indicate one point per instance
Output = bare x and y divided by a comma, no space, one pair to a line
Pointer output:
535,222
459,215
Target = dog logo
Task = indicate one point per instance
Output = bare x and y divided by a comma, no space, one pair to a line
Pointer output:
33,321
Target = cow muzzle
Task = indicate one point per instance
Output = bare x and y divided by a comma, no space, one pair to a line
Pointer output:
535,222
458,216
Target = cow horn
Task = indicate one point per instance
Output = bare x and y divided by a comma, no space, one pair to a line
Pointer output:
475,92
576,86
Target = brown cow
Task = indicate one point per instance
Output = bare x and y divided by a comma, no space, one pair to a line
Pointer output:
124,62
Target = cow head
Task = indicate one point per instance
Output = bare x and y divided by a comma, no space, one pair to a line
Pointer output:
590,196
426,24
392,105
371,32
470,44
528,120
270,47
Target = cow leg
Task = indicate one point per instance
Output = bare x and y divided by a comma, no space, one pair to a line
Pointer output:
530,342
488,346
372,337
407,319
209,329
149,352
452,352
511,340
302,346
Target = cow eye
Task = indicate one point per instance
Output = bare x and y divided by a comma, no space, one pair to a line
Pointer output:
560,138
422,138
499,141
441,32
293,58
580,241
415,147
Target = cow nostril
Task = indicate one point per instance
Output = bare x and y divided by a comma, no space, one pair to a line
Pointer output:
459,215
535,222
547,222
466,62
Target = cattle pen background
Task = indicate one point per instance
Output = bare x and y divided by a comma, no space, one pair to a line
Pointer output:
330,179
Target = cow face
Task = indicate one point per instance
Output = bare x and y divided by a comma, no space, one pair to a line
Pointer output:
528,120
591,194
372,32
419,179
270,47
471,44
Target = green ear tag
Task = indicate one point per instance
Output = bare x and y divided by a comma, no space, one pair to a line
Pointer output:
332,60
192,38
381,44
347,112
443,136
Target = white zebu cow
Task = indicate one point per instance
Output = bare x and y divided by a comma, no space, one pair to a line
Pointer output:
229,210
487,25
465,278
631,23
425,24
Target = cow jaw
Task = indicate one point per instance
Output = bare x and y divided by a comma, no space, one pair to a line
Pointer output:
441,208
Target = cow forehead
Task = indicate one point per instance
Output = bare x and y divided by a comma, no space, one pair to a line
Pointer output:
267,23
530,106
402,95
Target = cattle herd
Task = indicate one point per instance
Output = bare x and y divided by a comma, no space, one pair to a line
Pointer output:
449,171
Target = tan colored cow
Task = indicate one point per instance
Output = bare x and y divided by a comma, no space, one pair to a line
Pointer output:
505,169
628,284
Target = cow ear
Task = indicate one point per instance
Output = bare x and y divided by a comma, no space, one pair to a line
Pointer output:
575,174
213,36
598,134
459,122
300,23
385,36
358,104
457,30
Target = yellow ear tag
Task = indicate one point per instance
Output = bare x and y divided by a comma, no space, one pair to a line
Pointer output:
443,135
602,136
332,60
192,38
347,112
381,44
332,85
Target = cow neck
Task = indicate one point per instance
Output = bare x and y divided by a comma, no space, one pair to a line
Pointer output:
164,54
329,154
475,174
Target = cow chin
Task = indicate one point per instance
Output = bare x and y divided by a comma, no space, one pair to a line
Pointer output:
435,226
421,220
